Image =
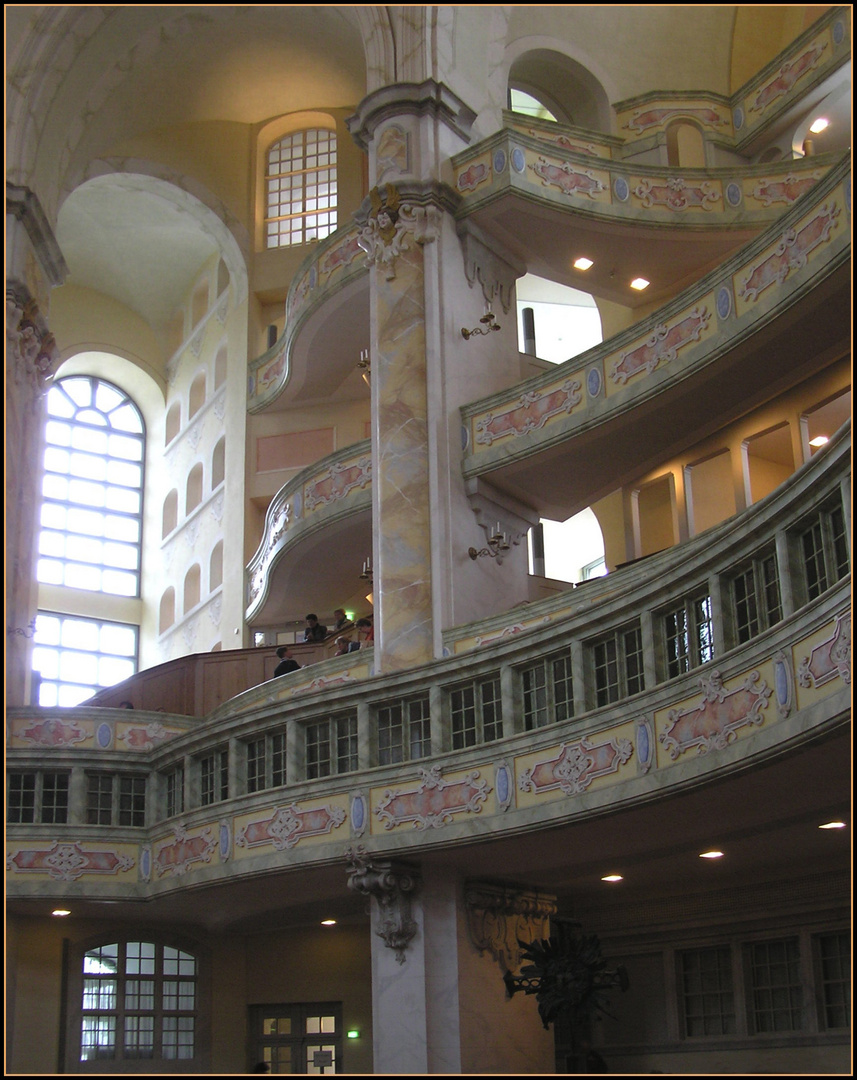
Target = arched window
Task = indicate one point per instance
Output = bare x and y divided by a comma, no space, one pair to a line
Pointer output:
196,398
134,1001
92,492
522,102
170,513
167,615
215,567
193,491
173,422
191,588
218,463
300,188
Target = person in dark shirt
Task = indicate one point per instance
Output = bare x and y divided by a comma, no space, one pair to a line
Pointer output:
314,630
341,620
287,662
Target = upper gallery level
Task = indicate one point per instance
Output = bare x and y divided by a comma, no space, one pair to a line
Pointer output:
686,666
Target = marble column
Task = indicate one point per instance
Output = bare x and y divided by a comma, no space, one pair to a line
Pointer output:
415,1007
34,265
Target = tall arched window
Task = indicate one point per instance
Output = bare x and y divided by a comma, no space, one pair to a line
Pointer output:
300,188
92,492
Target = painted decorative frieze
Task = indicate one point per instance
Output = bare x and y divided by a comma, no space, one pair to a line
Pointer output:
340,256
576,765
713,723
791,253
512,630
644,120
51,732
787,77
340,479
829,660
568,178
533,410
662,346
179,854
476,173
143,736
677,194
787,190
69,862
341,679
288,825
434,802
500,918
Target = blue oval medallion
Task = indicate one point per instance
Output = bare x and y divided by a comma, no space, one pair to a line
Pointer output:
724,302
225,840
502,781
838,33
643,747
782,683
358,812
499,161
519,162
145,863
738,118
620,187
104,736
593,381
733,194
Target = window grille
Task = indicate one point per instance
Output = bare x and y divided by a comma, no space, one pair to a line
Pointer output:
823,550
476,713
706,988
114,799
214,777
174,792
404,731
37,798
756,601
138,1002
331,746
834,951
92,491
548,691
777,995
617,664
76,656
300,182
688,634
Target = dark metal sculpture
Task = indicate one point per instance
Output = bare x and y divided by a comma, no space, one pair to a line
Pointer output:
568,975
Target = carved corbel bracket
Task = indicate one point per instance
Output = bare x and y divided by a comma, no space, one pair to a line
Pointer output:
498,916
495,272
390,884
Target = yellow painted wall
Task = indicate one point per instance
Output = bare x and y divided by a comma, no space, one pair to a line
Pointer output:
763,31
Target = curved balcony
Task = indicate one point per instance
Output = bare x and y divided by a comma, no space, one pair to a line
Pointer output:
408,762
584,417
317,499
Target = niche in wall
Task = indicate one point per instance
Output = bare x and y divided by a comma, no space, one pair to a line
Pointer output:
193,496
167,613
709,491
768,461
191,588
170,513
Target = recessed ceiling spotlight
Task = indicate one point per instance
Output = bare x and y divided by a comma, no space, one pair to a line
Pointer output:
640,283
582,263
833,825
613,877
60,912
819,440
328,922
711,855
818,125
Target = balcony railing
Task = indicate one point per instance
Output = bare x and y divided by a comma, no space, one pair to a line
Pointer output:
655,675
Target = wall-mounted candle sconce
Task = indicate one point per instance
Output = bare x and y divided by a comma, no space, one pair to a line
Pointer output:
364,365
366,574
487,326
497,544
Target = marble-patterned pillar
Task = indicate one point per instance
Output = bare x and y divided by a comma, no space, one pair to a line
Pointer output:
34,265
415,1005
